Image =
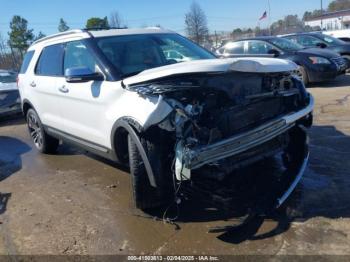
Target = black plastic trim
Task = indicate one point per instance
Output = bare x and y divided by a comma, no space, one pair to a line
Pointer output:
82,143
129,124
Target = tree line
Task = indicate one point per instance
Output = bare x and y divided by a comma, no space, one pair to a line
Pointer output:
292,23
20,36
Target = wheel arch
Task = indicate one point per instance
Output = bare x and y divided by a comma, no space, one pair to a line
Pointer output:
26,105
121,129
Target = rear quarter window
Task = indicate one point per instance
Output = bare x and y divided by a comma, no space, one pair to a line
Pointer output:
50,62
26,61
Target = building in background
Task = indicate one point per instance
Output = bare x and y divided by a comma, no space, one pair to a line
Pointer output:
331,21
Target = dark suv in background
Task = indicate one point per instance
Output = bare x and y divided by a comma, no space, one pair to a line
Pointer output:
315,64
322,41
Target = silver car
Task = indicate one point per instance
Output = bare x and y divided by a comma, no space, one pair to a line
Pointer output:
9,95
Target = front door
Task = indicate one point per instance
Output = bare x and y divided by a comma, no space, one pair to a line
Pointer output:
84,105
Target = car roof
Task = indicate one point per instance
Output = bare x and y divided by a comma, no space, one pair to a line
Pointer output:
84,33
257,38
303,33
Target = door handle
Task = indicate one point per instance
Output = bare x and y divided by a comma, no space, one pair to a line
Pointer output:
63,89
32,84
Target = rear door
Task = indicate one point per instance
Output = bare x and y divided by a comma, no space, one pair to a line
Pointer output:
42,85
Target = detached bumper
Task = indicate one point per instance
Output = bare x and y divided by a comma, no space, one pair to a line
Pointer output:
196,157
294,182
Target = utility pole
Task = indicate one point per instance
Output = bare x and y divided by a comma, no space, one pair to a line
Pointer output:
269,16
321,15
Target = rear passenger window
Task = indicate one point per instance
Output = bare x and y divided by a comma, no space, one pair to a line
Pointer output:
259,47
26,61
234,48
51,61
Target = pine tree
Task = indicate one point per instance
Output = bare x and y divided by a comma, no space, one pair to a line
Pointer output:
62,26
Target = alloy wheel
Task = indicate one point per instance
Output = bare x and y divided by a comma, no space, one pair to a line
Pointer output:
35,130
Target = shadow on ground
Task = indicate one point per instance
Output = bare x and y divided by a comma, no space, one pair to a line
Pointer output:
11,150
340,81
11,120
323,192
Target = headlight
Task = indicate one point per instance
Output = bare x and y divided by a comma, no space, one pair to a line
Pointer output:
319,60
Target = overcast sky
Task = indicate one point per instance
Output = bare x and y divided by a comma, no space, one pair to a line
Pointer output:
43,15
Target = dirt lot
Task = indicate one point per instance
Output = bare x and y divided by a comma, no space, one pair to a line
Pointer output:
74,203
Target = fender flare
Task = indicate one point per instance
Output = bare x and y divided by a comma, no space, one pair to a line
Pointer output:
26,101
132,127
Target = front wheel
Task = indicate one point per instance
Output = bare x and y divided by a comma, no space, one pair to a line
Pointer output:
45,143
146,196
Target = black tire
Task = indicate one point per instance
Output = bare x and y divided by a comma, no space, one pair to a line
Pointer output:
347,58
146,196
45,143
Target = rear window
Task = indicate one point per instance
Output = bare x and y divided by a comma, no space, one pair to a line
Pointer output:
26,61
51,61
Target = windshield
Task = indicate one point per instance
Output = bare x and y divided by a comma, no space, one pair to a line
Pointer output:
286,44
7,77
131,54
331,40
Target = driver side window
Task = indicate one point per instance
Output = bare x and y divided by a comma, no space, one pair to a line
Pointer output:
259,47
77,55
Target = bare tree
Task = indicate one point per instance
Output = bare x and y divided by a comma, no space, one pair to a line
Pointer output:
9,59
196,24
115,20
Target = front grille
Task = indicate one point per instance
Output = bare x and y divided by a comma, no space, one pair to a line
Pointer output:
242,118
340,62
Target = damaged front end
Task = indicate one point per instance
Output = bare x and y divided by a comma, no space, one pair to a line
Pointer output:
221,122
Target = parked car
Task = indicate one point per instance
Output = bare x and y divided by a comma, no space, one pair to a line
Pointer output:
10,102
315,65
343,34
114,93
322,41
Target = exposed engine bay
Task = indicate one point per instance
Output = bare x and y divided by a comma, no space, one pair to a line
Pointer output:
224,121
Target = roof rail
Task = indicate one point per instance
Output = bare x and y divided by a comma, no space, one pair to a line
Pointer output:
70,32
98,28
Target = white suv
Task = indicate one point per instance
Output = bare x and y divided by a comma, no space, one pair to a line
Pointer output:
116,93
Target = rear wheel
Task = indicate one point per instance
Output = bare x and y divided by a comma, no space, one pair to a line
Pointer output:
146,196
43,142
347,58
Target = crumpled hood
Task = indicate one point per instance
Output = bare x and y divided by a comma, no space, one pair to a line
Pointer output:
319,52
241,64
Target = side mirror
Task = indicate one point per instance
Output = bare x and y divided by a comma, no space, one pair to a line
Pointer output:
274,52
321,45
81,74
